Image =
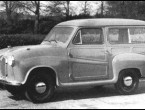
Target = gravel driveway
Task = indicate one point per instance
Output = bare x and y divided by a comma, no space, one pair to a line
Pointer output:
85,98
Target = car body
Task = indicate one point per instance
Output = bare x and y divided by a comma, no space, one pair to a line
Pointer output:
87,52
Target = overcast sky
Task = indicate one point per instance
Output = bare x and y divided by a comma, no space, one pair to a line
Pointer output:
94,6
77,6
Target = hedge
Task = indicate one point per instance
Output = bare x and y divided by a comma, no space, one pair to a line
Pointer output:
20,40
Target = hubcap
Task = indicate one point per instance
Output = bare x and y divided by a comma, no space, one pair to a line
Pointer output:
40,87
128,81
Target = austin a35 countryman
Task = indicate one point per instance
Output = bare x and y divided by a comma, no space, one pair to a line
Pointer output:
87,52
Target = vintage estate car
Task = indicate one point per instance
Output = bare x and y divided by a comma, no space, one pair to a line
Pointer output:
87,52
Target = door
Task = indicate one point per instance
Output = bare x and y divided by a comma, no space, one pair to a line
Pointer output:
87,55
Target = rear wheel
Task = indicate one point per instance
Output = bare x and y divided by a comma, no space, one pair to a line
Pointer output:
128,82
40,88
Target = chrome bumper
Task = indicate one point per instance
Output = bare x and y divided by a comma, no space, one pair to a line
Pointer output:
4,81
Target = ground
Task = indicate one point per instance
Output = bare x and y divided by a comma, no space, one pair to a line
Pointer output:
84,98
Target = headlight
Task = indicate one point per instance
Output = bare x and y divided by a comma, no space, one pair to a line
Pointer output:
10,60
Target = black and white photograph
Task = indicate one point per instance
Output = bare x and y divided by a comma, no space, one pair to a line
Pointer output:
72,54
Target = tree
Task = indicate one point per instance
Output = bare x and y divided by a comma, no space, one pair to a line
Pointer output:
33,7
139,8
125,9
54,8
85,7
102,8
10,7
66,5
62,8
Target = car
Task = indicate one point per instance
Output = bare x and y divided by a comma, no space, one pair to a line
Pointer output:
75,53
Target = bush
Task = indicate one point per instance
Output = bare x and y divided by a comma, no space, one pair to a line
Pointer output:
20,40
46,26
19,27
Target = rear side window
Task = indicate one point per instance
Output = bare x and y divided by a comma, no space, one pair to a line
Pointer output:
118,36
130,35
137,35
89,37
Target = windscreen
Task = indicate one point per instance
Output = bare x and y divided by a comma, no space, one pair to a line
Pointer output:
59,34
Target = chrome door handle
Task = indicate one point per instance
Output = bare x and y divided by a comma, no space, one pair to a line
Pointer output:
70,55
106,52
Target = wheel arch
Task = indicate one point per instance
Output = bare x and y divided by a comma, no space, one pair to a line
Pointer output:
136,70
128,61
34,70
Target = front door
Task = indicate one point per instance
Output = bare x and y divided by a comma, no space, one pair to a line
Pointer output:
87,55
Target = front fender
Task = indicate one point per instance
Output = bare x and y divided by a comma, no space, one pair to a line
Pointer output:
127,61
24,67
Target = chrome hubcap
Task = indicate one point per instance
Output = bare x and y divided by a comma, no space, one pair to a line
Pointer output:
40,87
128,81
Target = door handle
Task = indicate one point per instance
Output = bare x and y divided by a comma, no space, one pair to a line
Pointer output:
106,52
70,55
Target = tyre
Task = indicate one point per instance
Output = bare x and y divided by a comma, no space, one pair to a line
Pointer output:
40,88
127,83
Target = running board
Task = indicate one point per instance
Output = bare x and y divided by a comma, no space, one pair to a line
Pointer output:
93,83
90,83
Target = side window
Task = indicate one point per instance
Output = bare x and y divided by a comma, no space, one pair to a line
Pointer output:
89,37
78,39
118,36
137,35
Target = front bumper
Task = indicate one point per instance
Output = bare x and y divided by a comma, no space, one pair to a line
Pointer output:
5,81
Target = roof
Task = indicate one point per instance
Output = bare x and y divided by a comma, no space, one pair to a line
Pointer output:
102,22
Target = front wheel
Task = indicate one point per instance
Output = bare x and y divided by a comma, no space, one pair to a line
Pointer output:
127,83
40,88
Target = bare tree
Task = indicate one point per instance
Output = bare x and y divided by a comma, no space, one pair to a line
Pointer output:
33,7
85,7
10,7
102,8
66,8
54,8
59,8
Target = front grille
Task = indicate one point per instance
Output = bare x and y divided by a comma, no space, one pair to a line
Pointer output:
2,66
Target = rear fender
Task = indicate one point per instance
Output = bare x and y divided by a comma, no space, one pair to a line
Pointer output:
128,61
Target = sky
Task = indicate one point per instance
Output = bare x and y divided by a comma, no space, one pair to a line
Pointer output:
94,6
77,6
